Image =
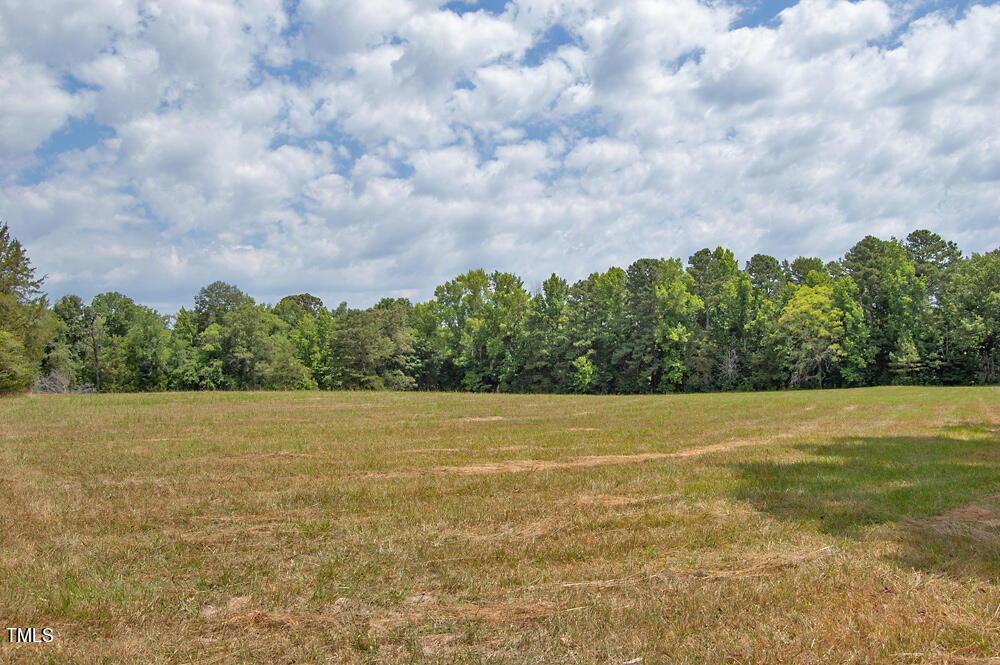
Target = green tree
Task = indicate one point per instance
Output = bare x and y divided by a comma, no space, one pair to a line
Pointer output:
311,338
94,334
979,302
906,364
244,346
638,356
214,301
856,356
543,365
474,326
676,308
447,323
24,321
798,270
934,259
809,334
126,342
15,367
65,363
583,374
769,289
892,297
256,352
596,315
924,354
718,351
292,309
373,349
766,276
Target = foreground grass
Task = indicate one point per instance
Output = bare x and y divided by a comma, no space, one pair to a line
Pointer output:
857,526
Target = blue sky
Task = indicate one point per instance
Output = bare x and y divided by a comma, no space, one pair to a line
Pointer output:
358,150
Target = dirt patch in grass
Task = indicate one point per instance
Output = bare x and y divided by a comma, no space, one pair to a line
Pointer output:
523,532
427,608
213,529
522,465
728,445
481,419
985,515
612,500
417,451
768,563
582,429
260,621
236,615
940,658
129,482
589,461
755,566
438,645
257,532
975,521
278,454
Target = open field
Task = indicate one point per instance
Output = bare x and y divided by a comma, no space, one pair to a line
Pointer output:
857,526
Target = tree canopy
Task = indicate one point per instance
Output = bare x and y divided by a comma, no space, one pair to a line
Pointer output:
890,311
25,325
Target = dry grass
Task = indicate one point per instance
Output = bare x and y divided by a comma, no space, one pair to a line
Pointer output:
856,526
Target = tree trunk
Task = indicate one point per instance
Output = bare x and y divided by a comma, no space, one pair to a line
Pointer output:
97,362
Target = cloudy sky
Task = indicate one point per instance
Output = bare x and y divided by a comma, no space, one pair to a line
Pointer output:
362,149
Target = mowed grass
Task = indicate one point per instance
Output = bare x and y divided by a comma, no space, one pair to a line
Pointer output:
854,526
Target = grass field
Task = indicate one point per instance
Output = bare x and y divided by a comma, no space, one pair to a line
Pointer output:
854,526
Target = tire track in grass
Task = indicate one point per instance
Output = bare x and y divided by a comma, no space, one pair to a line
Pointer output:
588,461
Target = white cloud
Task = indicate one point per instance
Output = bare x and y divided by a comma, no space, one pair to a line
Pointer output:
813,27
33,107
368,149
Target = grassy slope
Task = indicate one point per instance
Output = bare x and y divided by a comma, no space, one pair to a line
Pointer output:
815,527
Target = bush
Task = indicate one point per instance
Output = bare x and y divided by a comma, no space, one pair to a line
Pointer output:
15,367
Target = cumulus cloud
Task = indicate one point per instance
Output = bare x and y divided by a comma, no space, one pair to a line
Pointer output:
379,148
34,107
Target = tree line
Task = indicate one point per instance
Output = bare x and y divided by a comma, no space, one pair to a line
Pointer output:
915,311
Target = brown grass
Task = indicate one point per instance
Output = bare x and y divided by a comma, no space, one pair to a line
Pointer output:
857,526
523,465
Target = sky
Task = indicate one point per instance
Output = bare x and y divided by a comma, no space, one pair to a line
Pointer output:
358,150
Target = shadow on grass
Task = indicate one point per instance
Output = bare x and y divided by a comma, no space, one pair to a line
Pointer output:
940,491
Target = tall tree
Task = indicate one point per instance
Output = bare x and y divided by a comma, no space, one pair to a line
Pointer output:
638,355
718,351
934,258
854,342
475,324
94,333
798,270
292,309
596,316
214,301
544,365
677,308
980,303
766,276
809,334
25,326
892,296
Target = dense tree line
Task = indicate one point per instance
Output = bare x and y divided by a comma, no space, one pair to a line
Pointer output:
889,312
